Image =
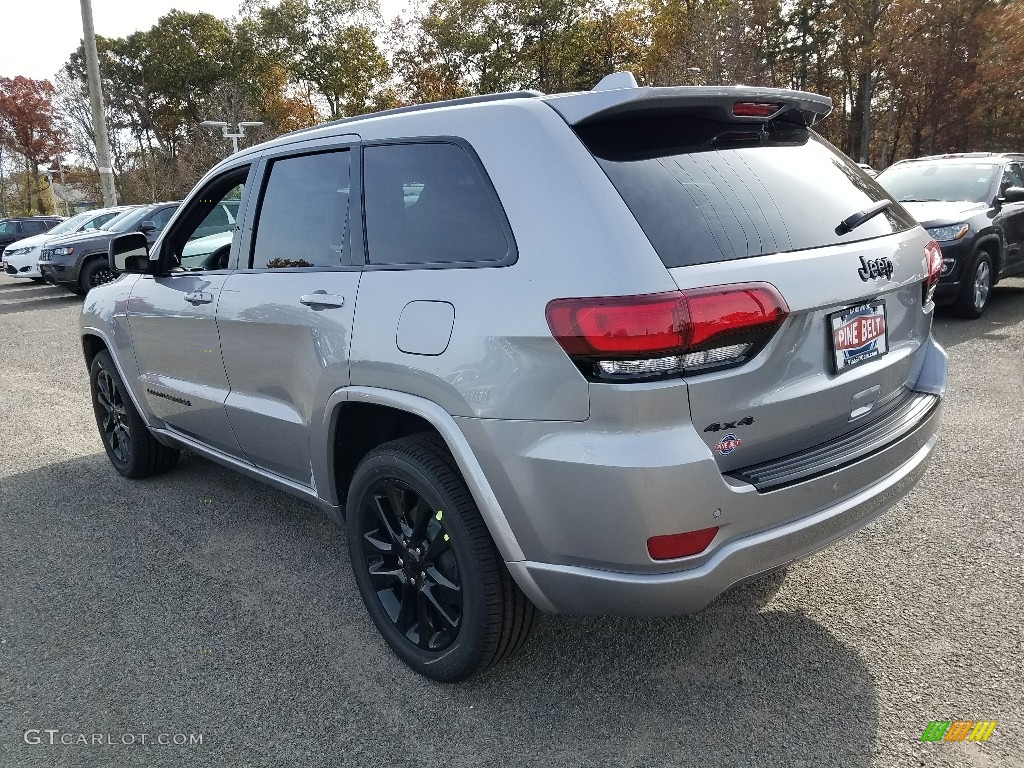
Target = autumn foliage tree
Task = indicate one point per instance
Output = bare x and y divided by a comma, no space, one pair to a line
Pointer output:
30,127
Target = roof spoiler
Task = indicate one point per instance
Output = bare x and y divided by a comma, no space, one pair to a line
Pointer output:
617,96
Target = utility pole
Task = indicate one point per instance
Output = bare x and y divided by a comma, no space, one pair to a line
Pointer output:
99,118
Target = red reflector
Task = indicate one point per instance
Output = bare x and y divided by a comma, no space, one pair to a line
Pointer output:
680,544
754,109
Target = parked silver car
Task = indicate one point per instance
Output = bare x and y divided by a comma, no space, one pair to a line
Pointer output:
607,352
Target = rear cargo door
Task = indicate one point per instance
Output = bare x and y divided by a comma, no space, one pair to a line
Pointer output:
726,202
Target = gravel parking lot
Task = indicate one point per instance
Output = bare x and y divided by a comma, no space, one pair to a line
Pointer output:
201,602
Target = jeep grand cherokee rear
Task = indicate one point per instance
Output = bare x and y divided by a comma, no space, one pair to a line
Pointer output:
612,352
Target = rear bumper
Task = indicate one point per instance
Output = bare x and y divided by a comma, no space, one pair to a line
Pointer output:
568,589
588,518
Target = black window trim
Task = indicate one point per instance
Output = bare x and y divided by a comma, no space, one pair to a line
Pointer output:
287,153
512,255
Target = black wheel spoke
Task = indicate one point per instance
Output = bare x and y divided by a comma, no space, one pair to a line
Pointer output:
411,564
386,518
450,622
422,620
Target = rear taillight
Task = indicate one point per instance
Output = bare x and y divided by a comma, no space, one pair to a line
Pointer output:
667,334
932,270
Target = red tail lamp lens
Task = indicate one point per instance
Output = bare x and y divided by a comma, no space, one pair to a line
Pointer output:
667,334
933,269
754,109
680,544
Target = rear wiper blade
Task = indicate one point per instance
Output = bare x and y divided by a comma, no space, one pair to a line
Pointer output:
850,223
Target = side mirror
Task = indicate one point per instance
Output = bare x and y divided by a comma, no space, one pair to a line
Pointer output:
146,227
1013,195
130,253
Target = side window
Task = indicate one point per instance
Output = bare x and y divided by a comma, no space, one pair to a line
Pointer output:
1011,177
161,217
303,216
430,204
202,237
34,227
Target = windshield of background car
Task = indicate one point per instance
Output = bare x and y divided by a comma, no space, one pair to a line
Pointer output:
704,191
72,224
109,226
951,182
128,220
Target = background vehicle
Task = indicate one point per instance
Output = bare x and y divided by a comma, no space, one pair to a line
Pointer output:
676,342
18,227
21,258
973,205
78,262
867,169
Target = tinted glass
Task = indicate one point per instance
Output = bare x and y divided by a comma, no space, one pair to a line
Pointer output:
9,228
1011,177
949,181
303,218
430,204
35,227
112,224
130,220
160,218
73,224
708,192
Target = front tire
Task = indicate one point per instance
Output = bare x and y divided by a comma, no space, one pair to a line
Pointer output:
130,446
426,567
977,288
95,273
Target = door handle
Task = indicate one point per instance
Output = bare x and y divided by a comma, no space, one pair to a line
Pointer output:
322,299
198,297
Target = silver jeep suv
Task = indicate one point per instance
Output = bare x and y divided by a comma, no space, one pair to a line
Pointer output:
605,353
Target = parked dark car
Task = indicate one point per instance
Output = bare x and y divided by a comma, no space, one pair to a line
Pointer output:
20,227
78,262
973,205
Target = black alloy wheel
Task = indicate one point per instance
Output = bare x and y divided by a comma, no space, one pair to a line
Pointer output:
411,563
96,273
425,564
113,421
129,444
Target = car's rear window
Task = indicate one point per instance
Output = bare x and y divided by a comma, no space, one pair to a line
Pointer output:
707,192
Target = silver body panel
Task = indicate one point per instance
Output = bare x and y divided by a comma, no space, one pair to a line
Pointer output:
571,476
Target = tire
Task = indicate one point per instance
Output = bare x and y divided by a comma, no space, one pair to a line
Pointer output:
129,444
426,567
94,273
977,288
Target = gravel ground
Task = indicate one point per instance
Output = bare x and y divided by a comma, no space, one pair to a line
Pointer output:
201,602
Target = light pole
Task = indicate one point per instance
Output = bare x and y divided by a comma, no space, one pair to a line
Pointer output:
694,73
49,182
49,178
227,134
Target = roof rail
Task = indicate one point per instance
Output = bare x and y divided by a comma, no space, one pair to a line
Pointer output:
423,107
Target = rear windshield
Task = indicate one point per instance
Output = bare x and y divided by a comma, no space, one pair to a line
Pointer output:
706,192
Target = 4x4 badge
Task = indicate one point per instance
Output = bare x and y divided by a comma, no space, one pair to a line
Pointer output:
881,267
720,427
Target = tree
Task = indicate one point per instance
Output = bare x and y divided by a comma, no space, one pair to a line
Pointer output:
30,126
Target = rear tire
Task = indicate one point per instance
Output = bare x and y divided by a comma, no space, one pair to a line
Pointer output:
130,446
977,288
426,566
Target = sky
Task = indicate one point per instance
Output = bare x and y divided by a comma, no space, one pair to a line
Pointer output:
40,35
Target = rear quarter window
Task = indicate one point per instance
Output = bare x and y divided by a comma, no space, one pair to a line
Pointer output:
708,192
